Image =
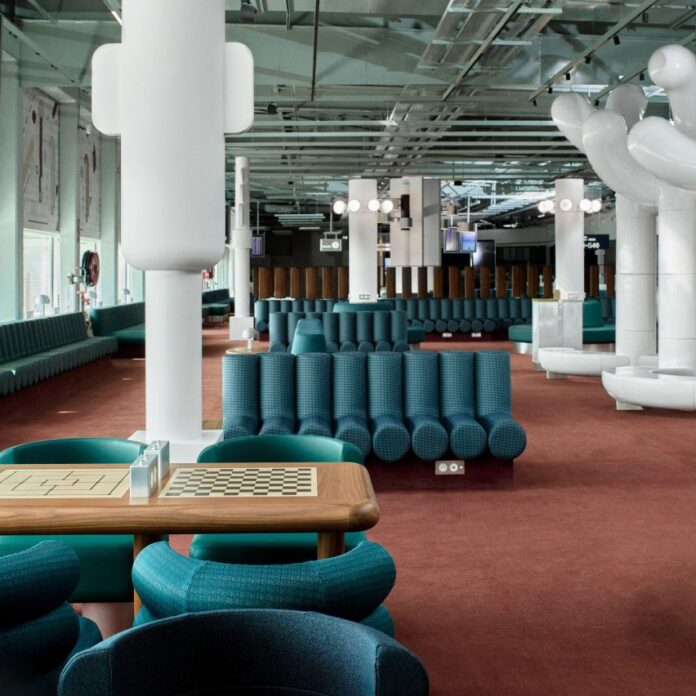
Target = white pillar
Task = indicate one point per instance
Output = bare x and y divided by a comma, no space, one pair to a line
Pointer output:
677,279
570,240
109,221
362,245
173,349
69,202
636,334
10,190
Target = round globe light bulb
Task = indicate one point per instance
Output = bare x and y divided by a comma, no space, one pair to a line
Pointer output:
373,205
339,207
585,205
596,205
354,205
565,205
387,205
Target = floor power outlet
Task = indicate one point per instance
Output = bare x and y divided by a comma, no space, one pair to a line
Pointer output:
450,467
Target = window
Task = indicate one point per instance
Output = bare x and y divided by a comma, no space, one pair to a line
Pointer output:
41,270
125,279
221,275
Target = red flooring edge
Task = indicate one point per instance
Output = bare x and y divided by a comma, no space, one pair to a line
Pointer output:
578,579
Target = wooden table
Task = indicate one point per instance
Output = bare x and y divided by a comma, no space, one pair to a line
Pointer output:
345,501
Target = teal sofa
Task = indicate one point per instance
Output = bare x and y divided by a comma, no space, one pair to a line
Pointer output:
39,630
385,402
217,304
125,323
36,349
271,651
595,329
106,559
256,549
351,586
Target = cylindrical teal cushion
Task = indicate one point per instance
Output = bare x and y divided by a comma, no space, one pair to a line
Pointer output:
390,439
277,393
349,399
307,306
286,306
458,309
489,325
381,326
273,306
592,314
347,330
480,309
440,326
298,305
469,309
421,404
515,309
383,346
261,312
445,309
293,319
313,387
240,394
399,326
452,325
363,328
412,309
506,437
434,309
428,326
526,309
309,337
320,305
278,330
400,304
467,438
331,331
476,325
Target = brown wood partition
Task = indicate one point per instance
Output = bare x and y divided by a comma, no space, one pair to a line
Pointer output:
547,274
280,282
438,282
390,282
469,282
311,283
343,284
594,281
255,281
519,281
265,282
500,281
485,282
422,281
406,291
453,282
610,280
296,289
533,281
327,283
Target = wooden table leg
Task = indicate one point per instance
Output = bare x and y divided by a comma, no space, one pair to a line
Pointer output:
330,544
140,541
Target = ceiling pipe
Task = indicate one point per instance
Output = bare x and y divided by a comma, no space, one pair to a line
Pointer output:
314,49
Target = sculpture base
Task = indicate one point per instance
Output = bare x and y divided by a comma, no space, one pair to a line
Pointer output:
651,387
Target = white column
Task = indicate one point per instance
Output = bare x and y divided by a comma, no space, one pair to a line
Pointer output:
173,349
570,240
362,245
109,221
10,191
636,333
69,201
677,279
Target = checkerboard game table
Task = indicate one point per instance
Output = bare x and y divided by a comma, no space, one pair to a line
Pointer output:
329,498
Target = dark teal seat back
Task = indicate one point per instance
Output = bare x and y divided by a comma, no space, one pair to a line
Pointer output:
80,450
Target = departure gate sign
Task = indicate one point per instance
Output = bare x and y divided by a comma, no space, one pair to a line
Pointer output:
596,241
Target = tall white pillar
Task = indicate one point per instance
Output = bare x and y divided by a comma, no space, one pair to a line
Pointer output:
109,221
10,190
570,239
241,249
172,100
636,333
69,194
677,269
362,245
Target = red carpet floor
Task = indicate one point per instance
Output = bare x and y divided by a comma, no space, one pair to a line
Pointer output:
581,579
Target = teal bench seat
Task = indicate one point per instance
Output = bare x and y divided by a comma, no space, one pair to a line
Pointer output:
125,323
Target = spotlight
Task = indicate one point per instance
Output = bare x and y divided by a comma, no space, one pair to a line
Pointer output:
596,205
645,17
534,102
272,109
387,206
247,12
339,206
641,77
542,206
567,76
585,205
596,102
588,59
353,205
550,89
373,205
565,205
617,40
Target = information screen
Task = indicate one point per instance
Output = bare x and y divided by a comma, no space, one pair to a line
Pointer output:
258,246
467,241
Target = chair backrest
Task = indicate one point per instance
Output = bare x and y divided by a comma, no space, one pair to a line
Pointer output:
78,450
277,385
349,393
421,384
21,338
457,383
106,320
212,296
286,652
313,380
385,385
281,448
493,384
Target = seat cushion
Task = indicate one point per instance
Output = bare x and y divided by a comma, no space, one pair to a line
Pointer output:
599,334
105,560
262,549
131,335
520,333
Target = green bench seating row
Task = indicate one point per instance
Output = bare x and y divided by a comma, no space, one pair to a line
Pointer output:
217,303
126,323
36,349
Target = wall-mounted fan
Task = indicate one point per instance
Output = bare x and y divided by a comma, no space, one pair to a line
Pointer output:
90,268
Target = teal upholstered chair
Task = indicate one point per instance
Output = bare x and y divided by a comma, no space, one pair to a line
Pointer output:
506,437
313,379
277,392
350,586
309,337
107,559
240,395
349,399
286,653
39,630
271,548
